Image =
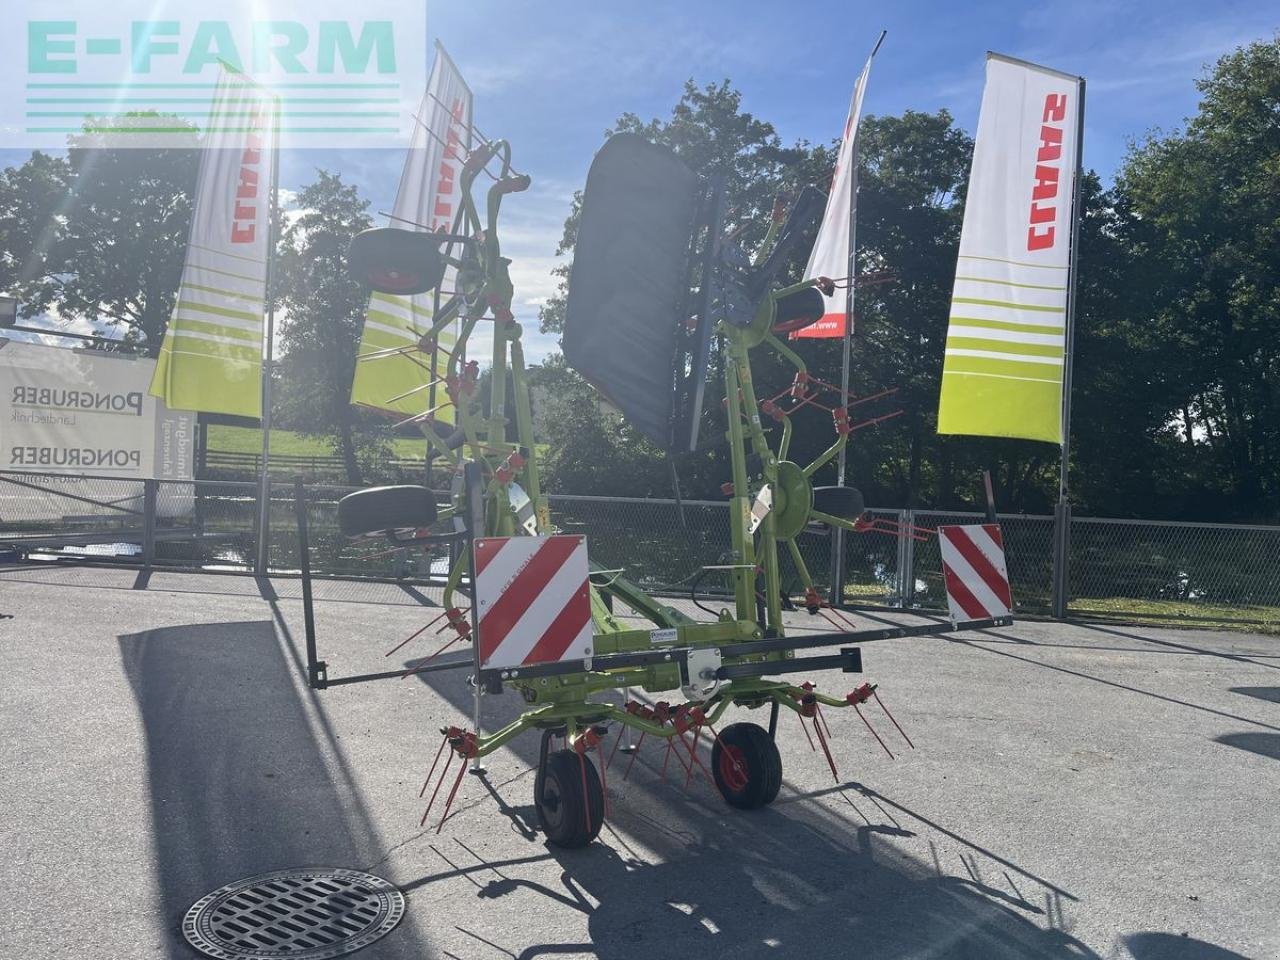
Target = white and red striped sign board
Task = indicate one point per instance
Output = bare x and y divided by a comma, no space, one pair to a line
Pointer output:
533,603
974,570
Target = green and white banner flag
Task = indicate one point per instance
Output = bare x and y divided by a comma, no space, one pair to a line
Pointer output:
211,357
394,374
1006,341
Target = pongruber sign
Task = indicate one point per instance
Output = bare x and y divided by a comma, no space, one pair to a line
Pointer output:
83,413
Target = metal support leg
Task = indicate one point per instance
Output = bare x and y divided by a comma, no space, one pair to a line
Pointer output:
316,676
476,767
627,745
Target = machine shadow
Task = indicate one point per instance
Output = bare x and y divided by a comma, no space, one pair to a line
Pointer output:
1263,744
1173,645
980,645
1169,946
1270,694
239,784
798,876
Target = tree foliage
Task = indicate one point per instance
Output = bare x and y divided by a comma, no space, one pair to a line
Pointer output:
1201,220
99,235
1176,399
323,312
1177,346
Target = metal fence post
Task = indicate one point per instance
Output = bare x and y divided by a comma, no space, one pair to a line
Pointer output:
149,521
1061,558
907,546
837,567
901,561
261,558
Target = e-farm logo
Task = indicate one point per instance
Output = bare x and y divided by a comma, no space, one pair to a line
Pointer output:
141,72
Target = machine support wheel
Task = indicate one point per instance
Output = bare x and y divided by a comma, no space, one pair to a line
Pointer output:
746,766
569,800
386,508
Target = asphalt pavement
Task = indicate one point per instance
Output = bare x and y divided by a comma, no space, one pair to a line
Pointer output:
1075,791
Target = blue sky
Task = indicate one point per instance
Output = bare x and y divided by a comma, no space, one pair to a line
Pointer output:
551,76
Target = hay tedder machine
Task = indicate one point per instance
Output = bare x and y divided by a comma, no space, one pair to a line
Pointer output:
658,290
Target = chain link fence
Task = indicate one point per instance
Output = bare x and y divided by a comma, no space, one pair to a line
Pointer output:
1117,568
1028,556
1177,570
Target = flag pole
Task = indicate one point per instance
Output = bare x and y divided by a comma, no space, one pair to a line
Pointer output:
837,542
1062,516
264,479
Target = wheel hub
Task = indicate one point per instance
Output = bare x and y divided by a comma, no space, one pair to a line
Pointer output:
792,501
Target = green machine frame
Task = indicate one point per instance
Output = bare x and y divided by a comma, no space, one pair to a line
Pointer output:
739,658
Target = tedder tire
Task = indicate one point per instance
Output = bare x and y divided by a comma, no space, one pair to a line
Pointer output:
756,776
561,805
385,508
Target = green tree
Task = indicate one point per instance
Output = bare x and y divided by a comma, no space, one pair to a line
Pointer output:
323,312
589,446
99,235
1203,221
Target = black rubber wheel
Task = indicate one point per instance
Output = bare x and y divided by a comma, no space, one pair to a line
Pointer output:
843,502
746,766
385,508
798,310
569,817
396,261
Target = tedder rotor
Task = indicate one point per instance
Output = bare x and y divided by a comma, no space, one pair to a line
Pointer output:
657,288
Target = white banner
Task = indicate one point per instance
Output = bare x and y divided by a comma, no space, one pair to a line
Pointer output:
429,198
1003,371
830,256
211,357
87,413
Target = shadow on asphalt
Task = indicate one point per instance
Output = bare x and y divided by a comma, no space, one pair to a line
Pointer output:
1168,946
981,645
1171,645
239,784
1263,744
795,877
1271,694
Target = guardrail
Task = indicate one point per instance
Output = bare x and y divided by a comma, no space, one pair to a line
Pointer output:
1117,568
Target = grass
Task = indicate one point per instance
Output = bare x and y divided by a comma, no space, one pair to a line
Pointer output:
1249,618
1254,618
226,439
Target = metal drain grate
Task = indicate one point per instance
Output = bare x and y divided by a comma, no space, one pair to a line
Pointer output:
308,914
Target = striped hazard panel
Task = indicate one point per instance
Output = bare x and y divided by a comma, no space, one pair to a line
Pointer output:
533,600
975,573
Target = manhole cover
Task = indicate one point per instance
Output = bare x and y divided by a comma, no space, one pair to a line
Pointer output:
310,913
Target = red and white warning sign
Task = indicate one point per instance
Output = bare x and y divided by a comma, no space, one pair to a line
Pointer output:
973,567
532,600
